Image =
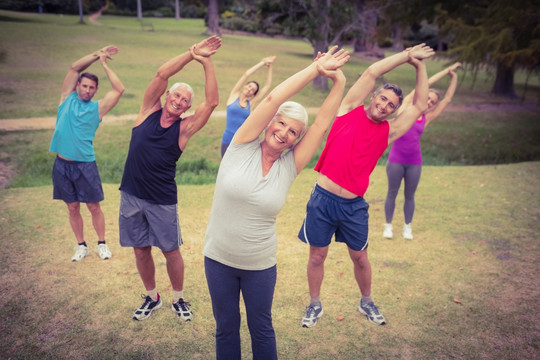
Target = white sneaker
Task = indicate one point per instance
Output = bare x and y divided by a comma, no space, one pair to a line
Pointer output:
407,232
81,252
103,251
387,233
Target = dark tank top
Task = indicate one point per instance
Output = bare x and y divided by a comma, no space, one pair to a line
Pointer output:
151,162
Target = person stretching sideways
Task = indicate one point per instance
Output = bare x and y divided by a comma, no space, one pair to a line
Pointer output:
405,157
356,141
75,174
148,197
243,97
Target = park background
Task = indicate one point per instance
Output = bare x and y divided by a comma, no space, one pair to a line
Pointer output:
466,287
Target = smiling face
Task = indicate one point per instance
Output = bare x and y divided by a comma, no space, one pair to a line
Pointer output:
177,101
383,104
433,99
283,132
86,89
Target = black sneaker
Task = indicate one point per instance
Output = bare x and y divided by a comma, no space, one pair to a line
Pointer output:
181,308
149,305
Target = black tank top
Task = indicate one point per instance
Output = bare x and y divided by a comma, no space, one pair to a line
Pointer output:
151,161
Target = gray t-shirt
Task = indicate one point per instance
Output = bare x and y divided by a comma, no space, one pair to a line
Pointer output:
241,231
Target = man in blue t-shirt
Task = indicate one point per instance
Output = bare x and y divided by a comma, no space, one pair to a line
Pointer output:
75,175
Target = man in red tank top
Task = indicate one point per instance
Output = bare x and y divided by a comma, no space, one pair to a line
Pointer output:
356,141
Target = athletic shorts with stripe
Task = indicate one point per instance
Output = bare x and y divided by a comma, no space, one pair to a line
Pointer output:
328,214
143,224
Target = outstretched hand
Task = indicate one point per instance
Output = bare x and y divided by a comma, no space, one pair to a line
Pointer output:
331,60
268,60
420,52
108,51
207,47
453,68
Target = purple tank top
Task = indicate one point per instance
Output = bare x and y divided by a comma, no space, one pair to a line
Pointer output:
406,149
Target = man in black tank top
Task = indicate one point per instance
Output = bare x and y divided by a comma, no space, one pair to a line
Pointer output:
148,205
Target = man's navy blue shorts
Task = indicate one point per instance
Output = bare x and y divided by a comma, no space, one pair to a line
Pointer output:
328,214
76,181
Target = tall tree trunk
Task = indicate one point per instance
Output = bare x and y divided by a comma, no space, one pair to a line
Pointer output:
213,18
504,82
320,82
139,10
81,18
177,9
397,38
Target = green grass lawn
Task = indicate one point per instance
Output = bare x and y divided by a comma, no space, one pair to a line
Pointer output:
466,287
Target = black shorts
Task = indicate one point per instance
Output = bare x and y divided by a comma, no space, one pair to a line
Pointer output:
76,181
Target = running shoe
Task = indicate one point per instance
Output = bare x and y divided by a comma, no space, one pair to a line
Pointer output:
103,251
81,252
407,232
312,313
145,310
387,233
182,310
371,311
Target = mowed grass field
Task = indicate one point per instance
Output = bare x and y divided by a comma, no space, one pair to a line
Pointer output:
466,287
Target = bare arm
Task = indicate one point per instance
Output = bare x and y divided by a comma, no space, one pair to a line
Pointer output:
443,103
360,90
262,92
158,85
432,80
111,98
405,120
70,81
195,122
306,148
235,92
264,113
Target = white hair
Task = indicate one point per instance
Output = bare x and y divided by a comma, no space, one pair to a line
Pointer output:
295,111
183,86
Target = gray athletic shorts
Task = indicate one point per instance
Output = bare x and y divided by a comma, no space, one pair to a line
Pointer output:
143,224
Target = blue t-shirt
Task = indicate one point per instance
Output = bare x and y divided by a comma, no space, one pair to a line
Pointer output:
236,115
76,125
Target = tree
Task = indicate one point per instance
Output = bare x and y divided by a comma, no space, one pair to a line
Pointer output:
81,18
321,22
177,9
139,10
213,18
497,33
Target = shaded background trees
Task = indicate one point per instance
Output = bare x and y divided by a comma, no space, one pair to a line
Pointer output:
499,36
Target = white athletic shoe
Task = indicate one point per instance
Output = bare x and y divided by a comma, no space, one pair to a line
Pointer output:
81,252
407,232
387,233
104,252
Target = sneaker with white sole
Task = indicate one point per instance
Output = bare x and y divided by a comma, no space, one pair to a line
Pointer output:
387,233
81,252
371,311
182,310
312,313
103,251
145,310
407,232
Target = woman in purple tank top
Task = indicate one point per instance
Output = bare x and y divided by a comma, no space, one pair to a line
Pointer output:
405,157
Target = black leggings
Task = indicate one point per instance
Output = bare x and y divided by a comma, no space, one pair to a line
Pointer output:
396,172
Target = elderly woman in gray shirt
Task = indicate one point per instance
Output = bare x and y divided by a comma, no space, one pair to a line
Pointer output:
252,184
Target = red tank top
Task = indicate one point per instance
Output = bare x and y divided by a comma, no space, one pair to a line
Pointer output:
353,147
